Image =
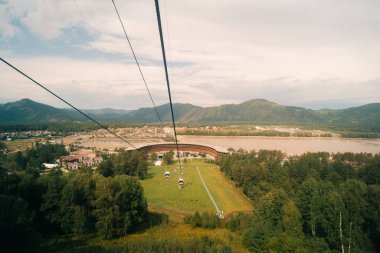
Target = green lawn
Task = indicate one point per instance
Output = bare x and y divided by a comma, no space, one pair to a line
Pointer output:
164,193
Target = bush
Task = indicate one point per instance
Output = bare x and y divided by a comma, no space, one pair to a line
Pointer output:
204,220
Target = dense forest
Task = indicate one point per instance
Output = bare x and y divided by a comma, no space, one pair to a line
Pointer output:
312,203
79,203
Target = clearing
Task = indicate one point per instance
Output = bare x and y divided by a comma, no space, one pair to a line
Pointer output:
163,194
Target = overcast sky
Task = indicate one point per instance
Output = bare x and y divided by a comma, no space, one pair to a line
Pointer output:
310,53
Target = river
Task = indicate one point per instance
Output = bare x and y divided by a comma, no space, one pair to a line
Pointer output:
289,145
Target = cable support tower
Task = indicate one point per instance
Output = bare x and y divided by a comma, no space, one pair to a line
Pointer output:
78,110
137,63
167,76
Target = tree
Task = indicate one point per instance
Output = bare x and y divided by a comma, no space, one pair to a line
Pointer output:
77,196
269,209
373,215
131,202
153,157
106,168
51,205
3,147
119,205
15,224
168,157
354,195
137,162
291,220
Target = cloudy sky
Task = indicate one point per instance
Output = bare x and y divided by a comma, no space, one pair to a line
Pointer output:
314,53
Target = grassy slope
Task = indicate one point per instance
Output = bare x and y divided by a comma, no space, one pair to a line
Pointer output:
178,234
164,193
228,198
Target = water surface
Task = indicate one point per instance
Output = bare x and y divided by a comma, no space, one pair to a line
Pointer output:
289,145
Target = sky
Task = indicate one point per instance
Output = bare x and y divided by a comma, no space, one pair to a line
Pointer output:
315,54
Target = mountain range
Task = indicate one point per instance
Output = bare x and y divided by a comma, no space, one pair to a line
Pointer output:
257,111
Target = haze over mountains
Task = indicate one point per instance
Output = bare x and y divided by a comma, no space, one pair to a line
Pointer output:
257,111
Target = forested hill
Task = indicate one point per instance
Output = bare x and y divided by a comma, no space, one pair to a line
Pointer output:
258,111
26,111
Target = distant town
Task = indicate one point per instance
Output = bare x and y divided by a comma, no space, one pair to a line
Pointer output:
165,132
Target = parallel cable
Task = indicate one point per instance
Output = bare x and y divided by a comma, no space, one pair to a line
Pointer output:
166,73
78,110
138,65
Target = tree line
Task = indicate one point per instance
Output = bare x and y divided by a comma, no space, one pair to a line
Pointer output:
133,163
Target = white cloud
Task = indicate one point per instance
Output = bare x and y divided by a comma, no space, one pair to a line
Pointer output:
224,51
7,30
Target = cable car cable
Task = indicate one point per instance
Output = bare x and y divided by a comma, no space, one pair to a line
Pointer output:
166,74
78,110
138,65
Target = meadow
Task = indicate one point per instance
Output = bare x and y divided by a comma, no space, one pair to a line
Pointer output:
163,193
20,144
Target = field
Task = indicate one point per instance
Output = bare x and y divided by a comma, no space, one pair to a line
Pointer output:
163,193
19,145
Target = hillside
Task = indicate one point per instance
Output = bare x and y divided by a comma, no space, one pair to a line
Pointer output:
257,111
26,111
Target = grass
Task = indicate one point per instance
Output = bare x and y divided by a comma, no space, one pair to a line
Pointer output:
164,194
180,236
19,144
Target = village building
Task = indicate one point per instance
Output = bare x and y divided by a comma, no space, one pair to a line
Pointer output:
68,159
98,160
88,162
72,166
74,161
49,166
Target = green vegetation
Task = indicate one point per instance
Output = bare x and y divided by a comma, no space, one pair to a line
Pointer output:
79,203
164,238
133,163
168,157
204,220
163,193
312,203
316,202
80,211
363,135
232,132
33,157
19,145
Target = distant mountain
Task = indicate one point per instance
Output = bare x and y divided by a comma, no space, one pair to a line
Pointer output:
149,114
26,111
366,117
107,114
257,111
